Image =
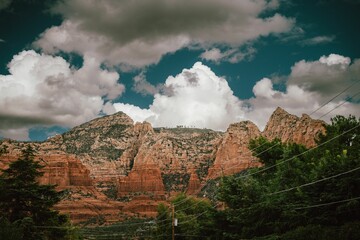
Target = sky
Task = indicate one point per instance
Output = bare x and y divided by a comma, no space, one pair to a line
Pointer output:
195,63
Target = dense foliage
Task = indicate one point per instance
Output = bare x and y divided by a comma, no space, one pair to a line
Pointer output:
195,218
26,206
298,193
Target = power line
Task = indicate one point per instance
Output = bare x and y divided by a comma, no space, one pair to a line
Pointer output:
326,204
298,155
339,105
307,184
301,153
317,181
334,97
289,159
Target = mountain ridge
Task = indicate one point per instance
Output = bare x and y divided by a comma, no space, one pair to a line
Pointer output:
131,167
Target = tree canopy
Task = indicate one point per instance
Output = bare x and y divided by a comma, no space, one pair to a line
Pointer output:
195,218
299,193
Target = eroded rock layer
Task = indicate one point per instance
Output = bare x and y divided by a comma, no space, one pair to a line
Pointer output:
114,168
290,128
233,154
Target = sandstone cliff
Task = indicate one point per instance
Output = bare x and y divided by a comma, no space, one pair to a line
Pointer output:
290,128
233,154
112,167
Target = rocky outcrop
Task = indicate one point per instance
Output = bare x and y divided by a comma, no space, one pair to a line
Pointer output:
86,205
176,153
99,144
194,185
290,128
111,167
59,168
233,154
64,171
142,180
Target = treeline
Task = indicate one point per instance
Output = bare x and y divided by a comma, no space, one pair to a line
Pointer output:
298,193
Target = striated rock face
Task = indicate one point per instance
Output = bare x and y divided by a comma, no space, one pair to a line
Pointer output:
145,180
290,128
194,184
112,167
233,154
83,202
64,170
164,159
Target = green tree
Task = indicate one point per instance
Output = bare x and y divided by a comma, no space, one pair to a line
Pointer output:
27,204
195,219
298,193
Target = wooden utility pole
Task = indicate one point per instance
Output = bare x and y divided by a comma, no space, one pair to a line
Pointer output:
173,221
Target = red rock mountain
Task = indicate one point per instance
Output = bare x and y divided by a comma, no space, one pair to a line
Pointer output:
113,168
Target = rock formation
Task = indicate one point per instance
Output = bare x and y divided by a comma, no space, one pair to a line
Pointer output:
194,184
290,128
233,154
145,180
111,167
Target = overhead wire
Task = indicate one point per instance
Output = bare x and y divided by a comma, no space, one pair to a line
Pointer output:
289,159
265,169
317,181
326,204
339,105
338,94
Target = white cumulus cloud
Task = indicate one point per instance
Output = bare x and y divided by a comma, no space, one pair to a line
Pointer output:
197,98
200,98
43,89
310,85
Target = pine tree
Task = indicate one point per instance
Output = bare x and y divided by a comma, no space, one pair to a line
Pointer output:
26,203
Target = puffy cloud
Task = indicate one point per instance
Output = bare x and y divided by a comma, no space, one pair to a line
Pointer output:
43,89
138,33
295,100
335,59
309,86
326,76
198,98
202,99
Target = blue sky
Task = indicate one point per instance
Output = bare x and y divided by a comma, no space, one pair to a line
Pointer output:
204,63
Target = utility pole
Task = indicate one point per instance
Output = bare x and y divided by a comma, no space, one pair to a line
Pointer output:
173,221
